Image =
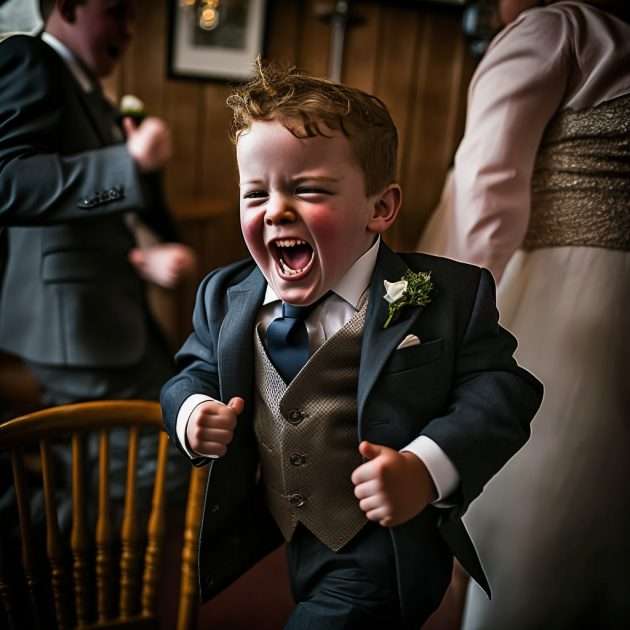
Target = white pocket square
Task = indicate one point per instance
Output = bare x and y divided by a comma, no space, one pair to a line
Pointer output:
408,341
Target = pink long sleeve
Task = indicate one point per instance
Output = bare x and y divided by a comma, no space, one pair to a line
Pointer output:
517,88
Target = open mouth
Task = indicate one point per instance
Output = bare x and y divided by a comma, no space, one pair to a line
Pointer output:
114,52
293,255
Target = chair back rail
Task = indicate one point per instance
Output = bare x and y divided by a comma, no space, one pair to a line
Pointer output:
89,416
82,572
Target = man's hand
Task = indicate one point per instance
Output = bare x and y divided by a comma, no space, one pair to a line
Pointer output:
392,487
148,143
164,264
211,426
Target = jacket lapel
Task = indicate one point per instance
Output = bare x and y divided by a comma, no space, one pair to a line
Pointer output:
93,103
236,337
100,113
378,342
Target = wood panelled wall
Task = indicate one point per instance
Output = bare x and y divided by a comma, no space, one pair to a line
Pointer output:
411,54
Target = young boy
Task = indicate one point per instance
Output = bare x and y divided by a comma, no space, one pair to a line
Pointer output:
365,457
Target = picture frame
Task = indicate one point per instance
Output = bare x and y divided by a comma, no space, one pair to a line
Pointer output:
226,52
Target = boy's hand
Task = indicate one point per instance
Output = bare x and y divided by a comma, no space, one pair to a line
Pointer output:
211,426
165,264
392,487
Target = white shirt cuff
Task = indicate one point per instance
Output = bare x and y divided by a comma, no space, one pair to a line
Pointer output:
183,416
442,471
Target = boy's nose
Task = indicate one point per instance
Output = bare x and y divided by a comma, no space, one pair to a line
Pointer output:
279,212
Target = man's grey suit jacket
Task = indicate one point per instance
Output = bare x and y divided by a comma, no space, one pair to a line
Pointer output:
69,296
460,387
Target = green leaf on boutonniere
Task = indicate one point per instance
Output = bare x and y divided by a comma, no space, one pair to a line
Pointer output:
413,289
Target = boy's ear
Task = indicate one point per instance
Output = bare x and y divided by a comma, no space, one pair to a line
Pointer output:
386,206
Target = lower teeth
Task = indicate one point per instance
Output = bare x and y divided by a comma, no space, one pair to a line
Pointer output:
288,270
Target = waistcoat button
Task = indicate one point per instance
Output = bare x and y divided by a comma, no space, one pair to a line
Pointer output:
297,459
296,500
295,416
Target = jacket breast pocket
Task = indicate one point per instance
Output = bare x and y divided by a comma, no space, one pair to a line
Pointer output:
414,356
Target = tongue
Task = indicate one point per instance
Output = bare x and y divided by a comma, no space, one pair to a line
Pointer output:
297,257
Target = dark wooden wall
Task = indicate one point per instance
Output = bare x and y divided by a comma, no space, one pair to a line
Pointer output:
410,54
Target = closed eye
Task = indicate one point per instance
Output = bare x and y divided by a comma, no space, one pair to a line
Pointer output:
312,190
255,194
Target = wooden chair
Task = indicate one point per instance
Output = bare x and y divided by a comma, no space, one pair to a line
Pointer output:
79,577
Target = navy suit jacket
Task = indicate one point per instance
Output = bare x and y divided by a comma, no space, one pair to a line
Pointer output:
69,295
460,387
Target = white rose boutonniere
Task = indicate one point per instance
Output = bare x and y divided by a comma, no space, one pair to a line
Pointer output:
413,289
133,107
394,290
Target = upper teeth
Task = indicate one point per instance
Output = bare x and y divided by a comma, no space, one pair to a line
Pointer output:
290,242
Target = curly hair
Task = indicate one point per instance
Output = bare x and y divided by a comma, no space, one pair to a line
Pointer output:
309,106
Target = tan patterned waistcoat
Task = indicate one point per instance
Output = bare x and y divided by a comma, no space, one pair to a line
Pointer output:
307,438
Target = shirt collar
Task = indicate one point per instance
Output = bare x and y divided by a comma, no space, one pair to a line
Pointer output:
73,64
353,284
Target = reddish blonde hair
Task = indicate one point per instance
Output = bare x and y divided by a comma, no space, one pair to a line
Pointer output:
309,106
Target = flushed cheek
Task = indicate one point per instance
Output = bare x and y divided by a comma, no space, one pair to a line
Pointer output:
324,229
253,235
330,242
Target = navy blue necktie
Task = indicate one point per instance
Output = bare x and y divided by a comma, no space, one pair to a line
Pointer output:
287,340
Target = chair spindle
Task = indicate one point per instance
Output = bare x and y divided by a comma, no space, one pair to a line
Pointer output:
53,539
188,597
79,535
26,533
103,535
129,557
156,531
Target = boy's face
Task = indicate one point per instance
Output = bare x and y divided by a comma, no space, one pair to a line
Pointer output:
305,215
101,32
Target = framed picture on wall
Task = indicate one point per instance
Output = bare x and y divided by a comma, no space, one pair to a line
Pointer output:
215,39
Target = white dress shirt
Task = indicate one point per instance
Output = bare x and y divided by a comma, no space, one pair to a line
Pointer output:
70,60
323,322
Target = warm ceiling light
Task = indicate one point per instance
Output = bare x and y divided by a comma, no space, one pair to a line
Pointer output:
207,11
208,19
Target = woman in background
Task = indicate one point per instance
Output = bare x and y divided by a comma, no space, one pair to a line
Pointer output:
541,197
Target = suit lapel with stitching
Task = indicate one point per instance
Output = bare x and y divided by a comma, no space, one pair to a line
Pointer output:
99,114
236,337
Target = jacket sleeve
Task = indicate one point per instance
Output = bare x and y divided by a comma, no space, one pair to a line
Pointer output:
493,400
38,184
196,361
